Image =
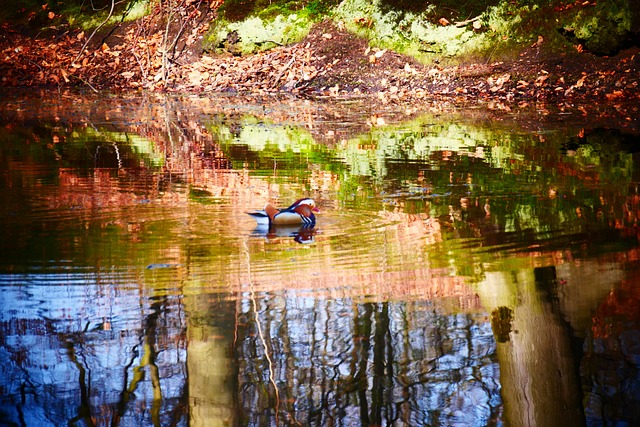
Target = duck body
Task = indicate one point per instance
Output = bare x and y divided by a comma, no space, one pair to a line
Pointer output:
299,213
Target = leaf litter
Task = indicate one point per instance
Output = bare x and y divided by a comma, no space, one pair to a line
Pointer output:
330,62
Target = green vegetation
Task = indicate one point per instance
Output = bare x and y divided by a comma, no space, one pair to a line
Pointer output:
246,27
255,34
444,31
435,34
602,29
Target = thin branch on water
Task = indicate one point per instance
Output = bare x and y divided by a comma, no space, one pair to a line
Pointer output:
254,305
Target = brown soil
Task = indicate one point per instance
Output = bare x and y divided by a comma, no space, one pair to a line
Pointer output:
533,77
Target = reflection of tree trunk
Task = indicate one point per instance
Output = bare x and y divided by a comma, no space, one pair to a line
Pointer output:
290,364
363,335
404,372
84,411
213,385
148,358
381,344
382,375
149,361
537,370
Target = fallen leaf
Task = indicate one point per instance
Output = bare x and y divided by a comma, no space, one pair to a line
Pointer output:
503,79
444,22
614,95
541,79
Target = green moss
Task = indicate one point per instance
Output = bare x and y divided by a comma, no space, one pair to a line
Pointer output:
134,10
239,10
503,27
255,34
602,29
263,28
416,33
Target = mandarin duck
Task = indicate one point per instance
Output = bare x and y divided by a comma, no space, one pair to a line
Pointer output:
300,212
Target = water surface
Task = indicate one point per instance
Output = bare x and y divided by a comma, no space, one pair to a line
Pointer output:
464,269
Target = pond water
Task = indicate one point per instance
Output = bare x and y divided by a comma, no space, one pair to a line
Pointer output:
466,268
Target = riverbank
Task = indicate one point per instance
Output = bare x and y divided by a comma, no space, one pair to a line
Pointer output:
329,62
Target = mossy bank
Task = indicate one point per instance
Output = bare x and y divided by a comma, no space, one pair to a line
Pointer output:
446,32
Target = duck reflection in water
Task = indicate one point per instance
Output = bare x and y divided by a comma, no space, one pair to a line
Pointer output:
297,221
301,234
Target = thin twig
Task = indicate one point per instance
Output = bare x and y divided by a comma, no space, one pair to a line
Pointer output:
113,4
184,24
85,82
165,39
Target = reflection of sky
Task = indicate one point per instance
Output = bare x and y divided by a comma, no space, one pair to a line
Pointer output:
78,345
406,359
71,346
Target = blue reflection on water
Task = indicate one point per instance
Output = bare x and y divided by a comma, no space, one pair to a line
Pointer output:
378,363
82,351
93,352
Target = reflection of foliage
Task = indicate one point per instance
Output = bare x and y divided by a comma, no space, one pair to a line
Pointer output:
479,182
501,319
202,196
269,149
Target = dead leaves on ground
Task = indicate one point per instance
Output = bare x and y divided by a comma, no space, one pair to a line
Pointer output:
284,68
138,59
28,62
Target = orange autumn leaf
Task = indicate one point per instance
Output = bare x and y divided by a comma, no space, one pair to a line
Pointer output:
616,94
